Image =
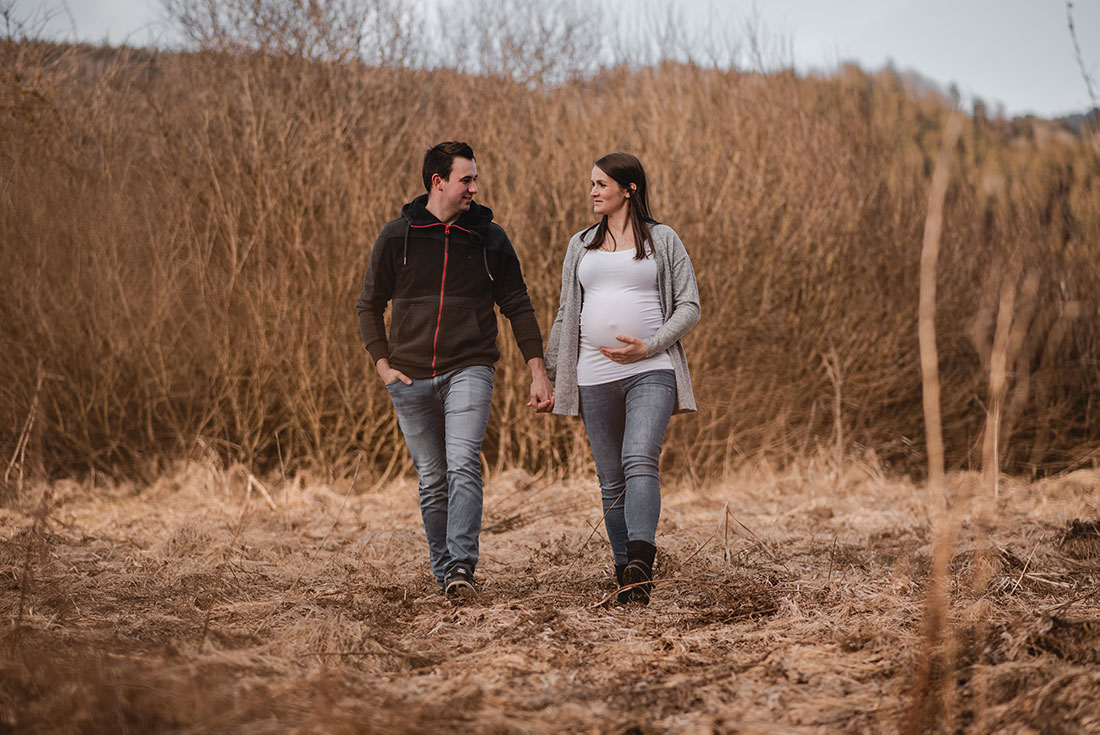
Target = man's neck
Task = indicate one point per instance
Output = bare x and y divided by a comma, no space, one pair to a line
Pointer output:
447,218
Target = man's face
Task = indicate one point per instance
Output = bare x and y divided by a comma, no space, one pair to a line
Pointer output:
455,193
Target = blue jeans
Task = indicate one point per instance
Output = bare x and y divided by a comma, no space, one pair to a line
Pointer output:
444,420
626,421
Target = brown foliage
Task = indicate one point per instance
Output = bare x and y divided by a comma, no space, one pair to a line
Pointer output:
184,235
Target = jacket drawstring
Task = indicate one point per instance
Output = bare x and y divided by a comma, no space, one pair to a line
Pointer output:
485,260
405,252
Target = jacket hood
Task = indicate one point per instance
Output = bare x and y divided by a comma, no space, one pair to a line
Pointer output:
475,220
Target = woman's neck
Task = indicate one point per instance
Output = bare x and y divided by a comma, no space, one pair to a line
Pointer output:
622,234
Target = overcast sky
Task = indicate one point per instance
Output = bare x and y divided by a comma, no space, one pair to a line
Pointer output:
1014,52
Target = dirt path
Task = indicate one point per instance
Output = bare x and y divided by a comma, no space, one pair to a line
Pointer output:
789,602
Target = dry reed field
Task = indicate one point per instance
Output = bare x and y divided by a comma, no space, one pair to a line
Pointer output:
789,601
208,519
185,233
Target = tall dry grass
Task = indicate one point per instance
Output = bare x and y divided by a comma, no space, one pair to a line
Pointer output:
184,234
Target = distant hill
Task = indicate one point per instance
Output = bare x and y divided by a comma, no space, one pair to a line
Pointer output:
1080,119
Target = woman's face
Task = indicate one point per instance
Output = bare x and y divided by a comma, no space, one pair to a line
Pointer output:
608,197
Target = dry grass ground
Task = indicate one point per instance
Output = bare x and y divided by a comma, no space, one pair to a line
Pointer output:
792,602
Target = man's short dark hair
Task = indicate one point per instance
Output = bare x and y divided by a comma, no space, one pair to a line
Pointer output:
439,159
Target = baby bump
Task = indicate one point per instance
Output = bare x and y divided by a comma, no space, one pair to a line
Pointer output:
599,327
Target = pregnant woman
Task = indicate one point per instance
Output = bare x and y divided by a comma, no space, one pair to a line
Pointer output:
628,295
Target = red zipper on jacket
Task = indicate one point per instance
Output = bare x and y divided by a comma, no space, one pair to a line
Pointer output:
442,285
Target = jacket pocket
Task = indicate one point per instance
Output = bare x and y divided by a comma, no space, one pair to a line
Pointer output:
412,332
462,336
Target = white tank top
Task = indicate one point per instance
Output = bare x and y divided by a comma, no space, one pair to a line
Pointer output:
620,297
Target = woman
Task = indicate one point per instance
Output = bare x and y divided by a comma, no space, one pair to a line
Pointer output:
628,295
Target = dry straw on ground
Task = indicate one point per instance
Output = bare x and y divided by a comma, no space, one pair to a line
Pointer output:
790,604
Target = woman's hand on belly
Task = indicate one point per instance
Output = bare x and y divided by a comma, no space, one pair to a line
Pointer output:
633,350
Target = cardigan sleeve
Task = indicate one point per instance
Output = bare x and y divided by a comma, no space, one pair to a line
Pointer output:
553,343
685,310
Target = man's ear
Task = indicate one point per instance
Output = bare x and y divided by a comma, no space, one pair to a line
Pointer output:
437,181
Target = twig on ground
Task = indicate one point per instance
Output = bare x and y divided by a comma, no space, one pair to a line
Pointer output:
1051,582
263,491
282,471
758,540
595,528
1026,563
721,521
832,552
1061,606
20,453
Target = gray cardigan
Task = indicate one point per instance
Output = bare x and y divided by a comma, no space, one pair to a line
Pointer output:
679,306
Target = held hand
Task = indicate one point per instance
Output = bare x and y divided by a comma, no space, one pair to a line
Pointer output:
390,375
632,352
542,393
543,403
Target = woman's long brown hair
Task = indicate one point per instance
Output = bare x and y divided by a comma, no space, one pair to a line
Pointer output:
625,169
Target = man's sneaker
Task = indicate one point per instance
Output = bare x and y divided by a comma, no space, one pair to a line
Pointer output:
460,584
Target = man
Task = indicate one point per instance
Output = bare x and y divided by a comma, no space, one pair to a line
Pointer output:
443,264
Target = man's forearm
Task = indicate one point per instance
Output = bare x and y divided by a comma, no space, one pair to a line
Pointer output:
538,367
